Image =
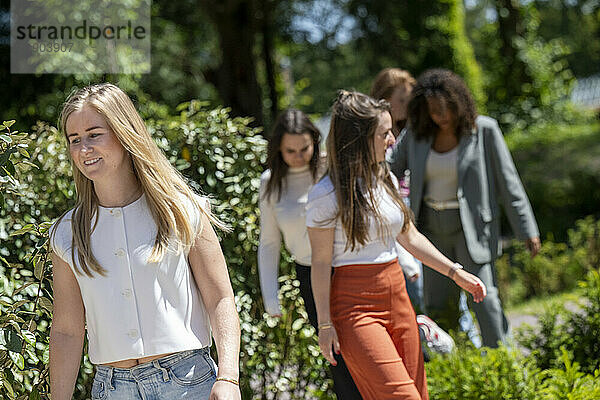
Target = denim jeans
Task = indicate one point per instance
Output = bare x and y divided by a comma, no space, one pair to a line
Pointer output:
184,375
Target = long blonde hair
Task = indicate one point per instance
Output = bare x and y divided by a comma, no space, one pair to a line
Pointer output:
353,168
165,189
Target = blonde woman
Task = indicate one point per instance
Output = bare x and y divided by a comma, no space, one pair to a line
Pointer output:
355,215
137,262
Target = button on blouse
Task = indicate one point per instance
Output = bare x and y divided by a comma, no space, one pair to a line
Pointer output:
139,308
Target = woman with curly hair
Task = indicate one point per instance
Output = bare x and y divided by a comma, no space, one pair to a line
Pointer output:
355,215
461,171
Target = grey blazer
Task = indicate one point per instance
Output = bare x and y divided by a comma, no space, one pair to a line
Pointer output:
486,176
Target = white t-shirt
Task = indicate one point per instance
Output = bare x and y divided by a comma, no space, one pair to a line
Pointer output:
322,207
441,175
138,309
286,218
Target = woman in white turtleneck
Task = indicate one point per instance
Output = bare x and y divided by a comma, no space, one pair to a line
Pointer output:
293,168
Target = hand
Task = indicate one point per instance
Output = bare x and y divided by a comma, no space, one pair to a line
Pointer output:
327,340
471,284
404,192
414,277
533,245
222,390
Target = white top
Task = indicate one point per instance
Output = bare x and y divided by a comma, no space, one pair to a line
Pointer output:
284,217
138,309
322,206
441,175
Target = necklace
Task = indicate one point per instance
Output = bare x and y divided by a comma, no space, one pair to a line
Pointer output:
134,196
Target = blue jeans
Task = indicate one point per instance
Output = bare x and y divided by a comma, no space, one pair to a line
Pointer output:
184,375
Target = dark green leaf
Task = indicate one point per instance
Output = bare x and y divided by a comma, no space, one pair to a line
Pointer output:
46,355
24,152
46,303
13,340
25,229
38,268
8,388
41,242
35,395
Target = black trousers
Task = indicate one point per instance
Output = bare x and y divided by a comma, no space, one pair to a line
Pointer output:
343,385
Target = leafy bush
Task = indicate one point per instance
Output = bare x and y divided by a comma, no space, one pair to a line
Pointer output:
557,267
466,374
25,304
560,171
504,374
576,331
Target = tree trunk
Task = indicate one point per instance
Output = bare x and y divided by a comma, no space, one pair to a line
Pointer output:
235,78
510,26
268,46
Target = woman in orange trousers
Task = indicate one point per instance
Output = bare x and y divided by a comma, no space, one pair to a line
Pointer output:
354,216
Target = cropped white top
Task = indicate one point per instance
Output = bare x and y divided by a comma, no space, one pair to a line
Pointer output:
138,309
322,208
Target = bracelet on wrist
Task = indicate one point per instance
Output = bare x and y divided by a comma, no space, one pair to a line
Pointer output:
325,325
453,270
230,380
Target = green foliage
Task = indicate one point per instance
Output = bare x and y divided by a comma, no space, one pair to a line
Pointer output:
541,95
557,267
25,304
559,168
503,374
576,331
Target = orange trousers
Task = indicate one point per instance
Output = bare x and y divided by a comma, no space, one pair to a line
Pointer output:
377,330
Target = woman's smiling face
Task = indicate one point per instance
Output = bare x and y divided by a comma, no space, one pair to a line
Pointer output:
94,147
383,137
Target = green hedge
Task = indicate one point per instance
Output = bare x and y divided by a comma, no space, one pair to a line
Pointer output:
559,168
563,363
558,267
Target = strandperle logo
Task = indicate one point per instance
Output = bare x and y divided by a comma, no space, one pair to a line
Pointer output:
80,36
83,31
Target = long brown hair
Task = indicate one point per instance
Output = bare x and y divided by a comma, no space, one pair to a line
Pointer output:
163,185
441,84
293,122
353,168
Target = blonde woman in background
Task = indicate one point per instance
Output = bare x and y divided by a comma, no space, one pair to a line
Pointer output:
136,261
293,168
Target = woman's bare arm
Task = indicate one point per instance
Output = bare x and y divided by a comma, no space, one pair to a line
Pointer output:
67,331
420,247
321,243
210,272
